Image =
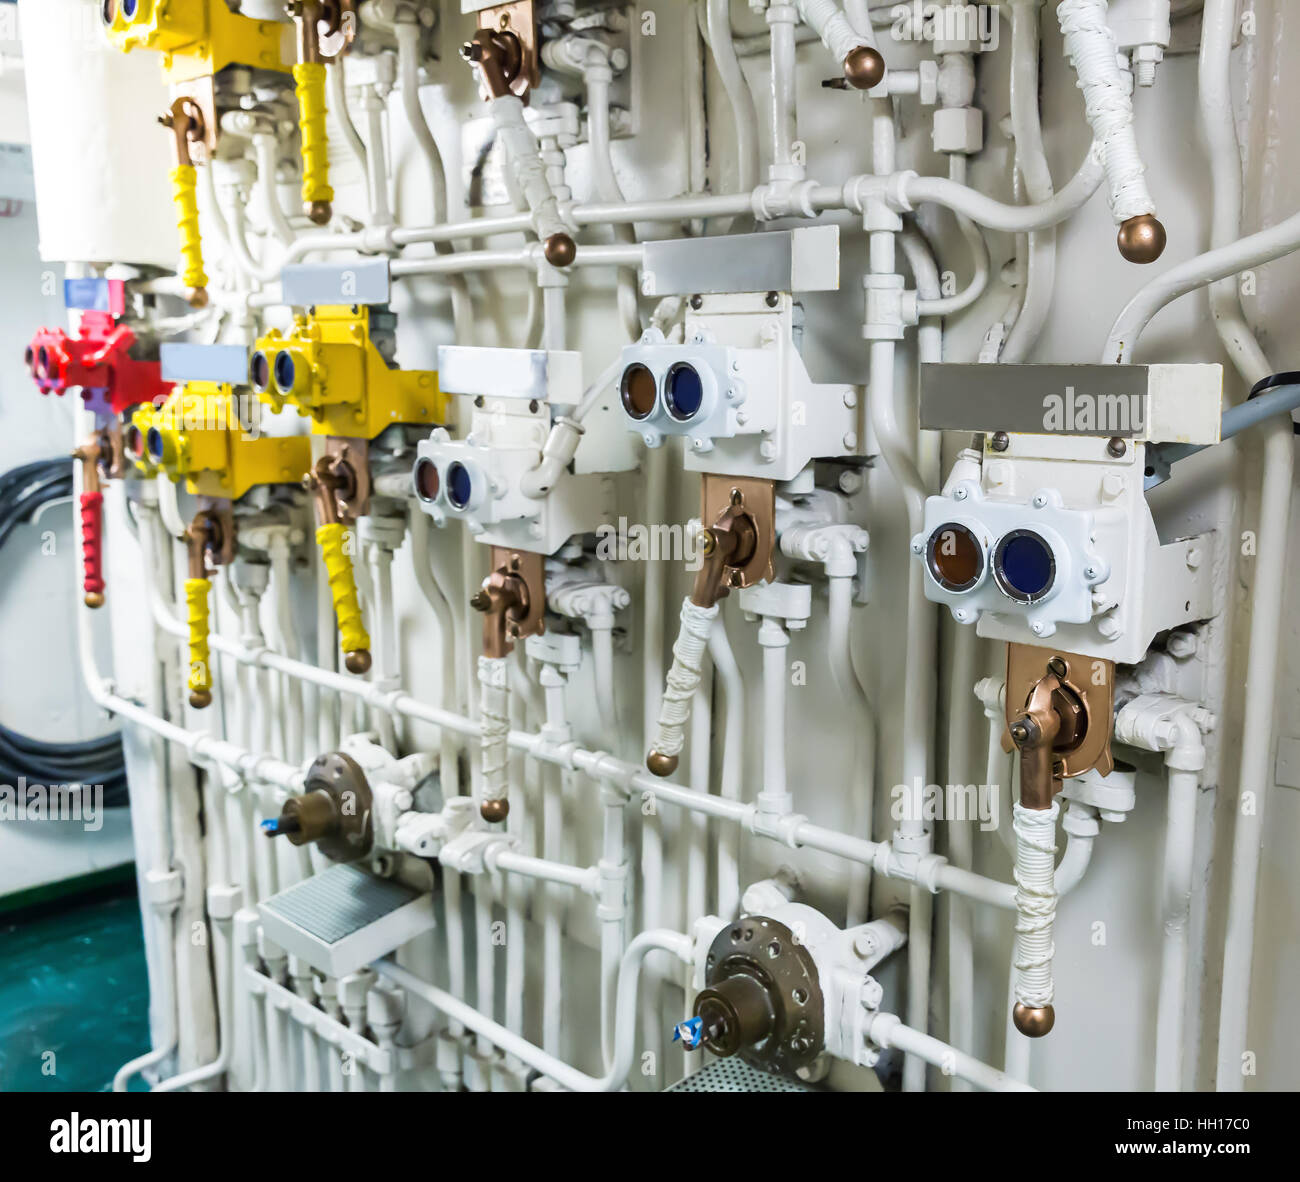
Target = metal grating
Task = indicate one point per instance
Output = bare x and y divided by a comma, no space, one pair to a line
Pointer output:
339,901
735,1075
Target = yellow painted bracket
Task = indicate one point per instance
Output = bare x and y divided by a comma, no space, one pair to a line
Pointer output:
196,612
184,180
330,370
309,83
205,435
343,587
198,38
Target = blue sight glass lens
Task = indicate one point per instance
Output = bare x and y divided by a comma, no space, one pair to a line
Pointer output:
685,392
285,372
1025,566
460,487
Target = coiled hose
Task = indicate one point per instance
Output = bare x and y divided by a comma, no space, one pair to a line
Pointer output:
100,761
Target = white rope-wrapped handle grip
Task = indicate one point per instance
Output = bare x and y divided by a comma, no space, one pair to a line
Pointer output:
832,26
857,52
525,158
1091,47
683,680
494,721
1036,897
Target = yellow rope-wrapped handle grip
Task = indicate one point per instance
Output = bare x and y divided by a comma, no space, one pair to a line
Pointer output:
343,587
309,84
196,613
185,195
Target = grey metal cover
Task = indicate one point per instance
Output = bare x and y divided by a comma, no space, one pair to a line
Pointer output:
1096,400
224,364
735,1075
806,259
303,285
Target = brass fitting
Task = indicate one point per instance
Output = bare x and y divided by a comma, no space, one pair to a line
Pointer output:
512,600
864,68
334,811
1142,239
498,56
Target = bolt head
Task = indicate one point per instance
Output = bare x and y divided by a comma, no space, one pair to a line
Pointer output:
1000,441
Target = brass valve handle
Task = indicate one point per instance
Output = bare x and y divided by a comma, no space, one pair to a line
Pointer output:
91,454
729,544
325,482
208,537
185,120
309,87
1052,722
504,602
512,600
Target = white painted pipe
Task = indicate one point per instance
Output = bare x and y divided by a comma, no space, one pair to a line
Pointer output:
888,1030
733,755
630,970
1031,160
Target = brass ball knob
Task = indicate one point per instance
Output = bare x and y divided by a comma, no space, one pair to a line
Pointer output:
494,811
661,765
200,699
94,599
1142,239
358,661
864,68
198,297
1033,1022
319,212
560,250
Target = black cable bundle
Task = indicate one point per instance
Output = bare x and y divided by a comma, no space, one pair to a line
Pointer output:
96,761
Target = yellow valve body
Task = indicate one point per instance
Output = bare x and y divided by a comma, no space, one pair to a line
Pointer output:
199,38
218,452
184,193
196,613
309,82
343,586
342,381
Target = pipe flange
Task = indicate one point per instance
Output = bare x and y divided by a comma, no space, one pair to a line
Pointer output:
763,996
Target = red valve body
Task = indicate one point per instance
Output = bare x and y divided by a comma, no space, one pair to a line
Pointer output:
98,360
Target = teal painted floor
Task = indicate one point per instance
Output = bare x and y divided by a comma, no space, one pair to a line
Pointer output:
74,995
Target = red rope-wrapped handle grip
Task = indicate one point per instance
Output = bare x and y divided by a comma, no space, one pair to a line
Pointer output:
92,547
